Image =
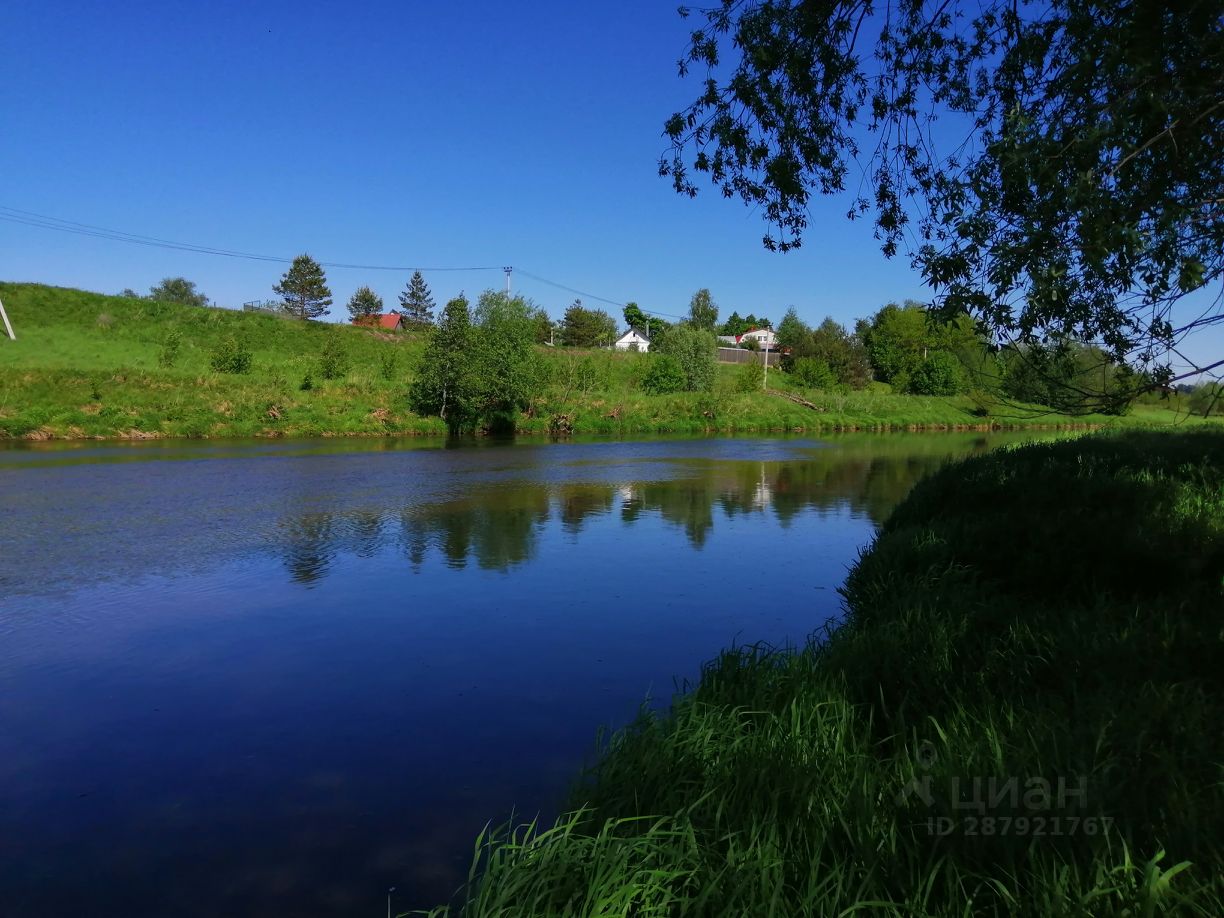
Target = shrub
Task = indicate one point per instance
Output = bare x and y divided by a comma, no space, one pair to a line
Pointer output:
750,377
1208,400
984,402
665,375
333,361
387,365
307,383
231,356
587,375
939,374
813,374
694,350
170,348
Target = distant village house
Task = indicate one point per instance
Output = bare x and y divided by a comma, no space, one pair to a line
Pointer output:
388,321
633,340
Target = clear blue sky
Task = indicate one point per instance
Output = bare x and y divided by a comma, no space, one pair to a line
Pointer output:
415,134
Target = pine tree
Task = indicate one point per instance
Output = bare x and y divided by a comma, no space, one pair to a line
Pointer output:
365,303
304,289
416,302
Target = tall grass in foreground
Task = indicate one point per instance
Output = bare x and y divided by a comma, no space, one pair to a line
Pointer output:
1053,613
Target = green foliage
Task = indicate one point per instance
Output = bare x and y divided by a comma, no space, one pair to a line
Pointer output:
665,375
812,373
587,376
634,316
482,369
176,290
750,377
171,345
445,385
737,325
1077,205
365,304
307,383
844,354
791,330
542,326
416,301
1207,400
801,782
694,349
584,327
63,360
939,374
1067,376
897,341
703,311
230,355
387,365
333,360
304,290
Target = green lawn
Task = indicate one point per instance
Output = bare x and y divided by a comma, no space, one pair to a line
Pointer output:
87,365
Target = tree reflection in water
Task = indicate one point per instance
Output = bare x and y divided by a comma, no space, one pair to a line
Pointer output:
498,526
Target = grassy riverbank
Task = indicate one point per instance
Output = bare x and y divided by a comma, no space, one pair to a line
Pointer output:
1048,616
88,365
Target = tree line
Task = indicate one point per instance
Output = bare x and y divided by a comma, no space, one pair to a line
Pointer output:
481,366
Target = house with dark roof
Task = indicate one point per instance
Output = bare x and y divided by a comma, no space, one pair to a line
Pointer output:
636,339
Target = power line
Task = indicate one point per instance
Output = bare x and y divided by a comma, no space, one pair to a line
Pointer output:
43,221
590,296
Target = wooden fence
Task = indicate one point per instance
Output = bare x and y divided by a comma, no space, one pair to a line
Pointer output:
741,355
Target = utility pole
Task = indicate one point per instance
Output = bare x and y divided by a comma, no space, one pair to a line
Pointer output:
508,269
7,327
765,383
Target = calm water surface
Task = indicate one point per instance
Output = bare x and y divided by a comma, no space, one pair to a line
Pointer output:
277,679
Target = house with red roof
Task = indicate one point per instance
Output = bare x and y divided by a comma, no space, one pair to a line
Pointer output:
388,321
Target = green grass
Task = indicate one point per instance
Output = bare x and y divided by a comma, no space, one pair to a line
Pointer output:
87,365
1050,612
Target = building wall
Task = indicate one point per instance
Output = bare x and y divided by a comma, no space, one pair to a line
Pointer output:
624,345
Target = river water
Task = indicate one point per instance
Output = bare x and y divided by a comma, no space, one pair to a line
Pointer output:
280,678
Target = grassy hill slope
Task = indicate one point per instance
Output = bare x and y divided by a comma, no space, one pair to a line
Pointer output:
88,365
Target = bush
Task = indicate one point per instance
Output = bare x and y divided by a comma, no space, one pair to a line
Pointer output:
694,350
984,402
665,375
170,349
333,361
750,377
1208,400
813,374
387,365
307,383
588,375
231,356
939,374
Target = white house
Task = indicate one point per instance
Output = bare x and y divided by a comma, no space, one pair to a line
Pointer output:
764,338
633,340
